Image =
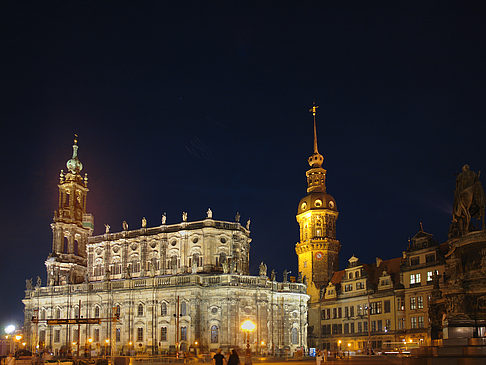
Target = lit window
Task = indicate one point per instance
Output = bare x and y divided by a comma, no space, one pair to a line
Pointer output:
413,303
139,334
420,302
140,310
214,334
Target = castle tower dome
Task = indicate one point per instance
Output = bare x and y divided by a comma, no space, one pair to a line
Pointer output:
317,213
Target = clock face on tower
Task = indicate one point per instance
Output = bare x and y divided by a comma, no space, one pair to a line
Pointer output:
319,255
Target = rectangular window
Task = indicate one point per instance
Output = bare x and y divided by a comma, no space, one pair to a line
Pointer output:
328,313
415,279
348,287
360,285
413,303
387,325
163,334
414,261
118,335
346,312
97,335
380,325
365,326
42,336
183,333
373,326
387,306
340,312
430,258
401,323
359,309
334,313
351,328
430,275
140,334
413,322
351,311
323,314
375,307
401,303
420,302
360,327
346,328
421,322
57,335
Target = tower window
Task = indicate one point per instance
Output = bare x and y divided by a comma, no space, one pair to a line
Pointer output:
65,250
76,249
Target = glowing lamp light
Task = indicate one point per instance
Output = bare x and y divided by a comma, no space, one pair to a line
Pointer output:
349,344
262,343
107,340
9,329
74,343
130,343
195,343
248,326
410,340
18,337
24,343
339,342
90,340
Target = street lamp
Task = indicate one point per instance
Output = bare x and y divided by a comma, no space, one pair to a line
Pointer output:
248,326
339,347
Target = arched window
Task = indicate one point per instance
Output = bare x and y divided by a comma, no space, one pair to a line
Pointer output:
118,310
58,313
66,246
183,308
214,334
222,258
350,276
163,309
140,309
295,336
173,262
76,248
43,314
195,259
135,265
97,312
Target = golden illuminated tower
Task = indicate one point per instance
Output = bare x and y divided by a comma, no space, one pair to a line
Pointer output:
71,227
318,248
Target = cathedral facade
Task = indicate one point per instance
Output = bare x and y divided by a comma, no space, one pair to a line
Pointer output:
166,288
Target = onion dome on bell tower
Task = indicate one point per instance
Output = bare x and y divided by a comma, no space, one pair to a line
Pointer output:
317,213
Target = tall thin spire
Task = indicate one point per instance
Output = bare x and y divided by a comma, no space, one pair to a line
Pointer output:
313,110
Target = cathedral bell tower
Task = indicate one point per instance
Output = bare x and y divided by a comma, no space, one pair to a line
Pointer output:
318,248
71,227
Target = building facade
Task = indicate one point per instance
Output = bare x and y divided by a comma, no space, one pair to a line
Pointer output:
156,289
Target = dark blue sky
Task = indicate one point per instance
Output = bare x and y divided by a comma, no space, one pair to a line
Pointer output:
198,104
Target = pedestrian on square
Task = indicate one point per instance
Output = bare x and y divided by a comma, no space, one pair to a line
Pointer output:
319,358
219,359
10,359
233,359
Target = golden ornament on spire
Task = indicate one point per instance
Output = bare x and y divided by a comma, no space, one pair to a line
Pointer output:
313,110
75,138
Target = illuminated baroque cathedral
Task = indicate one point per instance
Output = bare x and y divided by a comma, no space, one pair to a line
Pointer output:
170,287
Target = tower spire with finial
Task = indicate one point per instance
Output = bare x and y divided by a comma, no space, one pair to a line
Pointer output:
313,110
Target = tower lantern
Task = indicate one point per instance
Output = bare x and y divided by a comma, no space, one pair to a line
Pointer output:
318,248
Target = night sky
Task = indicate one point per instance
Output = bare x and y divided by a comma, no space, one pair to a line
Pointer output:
194,105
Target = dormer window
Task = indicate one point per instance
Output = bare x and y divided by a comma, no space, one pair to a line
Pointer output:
356,274
350,275
414,261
